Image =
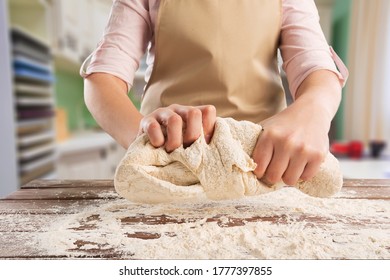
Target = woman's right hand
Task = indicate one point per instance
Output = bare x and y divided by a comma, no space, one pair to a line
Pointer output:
175,125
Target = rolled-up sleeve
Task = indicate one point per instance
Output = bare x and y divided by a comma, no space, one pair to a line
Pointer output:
303,45
124,42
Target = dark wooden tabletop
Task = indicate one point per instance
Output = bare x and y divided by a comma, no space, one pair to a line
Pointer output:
28,215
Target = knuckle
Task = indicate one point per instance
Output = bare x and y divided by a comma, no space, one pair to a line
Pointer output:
277,136
300,148
313,154
173,106
174,119
194,113
294,144
318,156
159,111
210,110
151,125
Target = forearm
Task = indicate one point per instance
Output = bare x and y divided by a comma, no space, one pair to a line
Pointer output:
106,98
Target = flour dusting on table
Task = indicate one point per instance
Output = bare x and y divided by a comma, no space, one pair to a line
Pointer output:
286,224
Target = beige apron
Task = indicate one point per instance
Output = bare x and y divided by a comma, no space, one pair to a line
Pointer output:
219,52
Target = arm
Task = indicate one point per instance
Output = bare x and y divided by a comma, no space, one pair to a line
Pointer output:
109,75
106,98
109,71
295,142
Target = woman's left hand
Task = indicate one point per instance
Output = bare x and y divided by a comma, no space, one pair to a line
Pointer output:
292,146
295,142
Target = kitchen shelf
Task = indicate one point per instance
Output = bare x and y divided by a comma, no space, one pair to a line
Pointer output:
29,101
38,173
29,89
33,70
29,167
36,138
30,126
22,61
33,76
28,46
36,151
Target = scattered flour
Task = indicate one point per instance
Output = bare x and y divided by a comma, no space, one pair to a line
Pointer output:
280,225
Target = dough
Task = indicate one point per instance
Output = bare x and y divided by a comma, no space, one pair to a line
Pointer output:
220,170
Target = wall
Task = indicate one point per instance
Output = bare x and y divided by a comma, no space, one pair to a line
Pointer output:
8,169
21,13
69,96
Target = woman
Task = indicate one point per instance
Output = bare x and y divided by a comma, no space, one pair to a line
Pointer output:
211,58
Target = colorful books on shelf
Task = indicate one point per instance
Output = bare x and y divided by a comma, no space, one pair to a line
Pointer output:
34,80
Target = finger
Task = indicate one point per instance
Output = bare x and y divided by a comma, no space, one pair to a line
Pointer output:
311,169
174,127
192,118
262,155
209,116
152,128
277,166
294,170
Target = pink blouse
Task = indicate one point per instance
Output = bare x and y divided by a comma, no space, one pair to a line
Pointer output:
130,29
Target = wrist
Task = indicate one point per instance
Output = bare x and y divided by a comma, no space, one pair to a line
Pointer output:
317,106
320,92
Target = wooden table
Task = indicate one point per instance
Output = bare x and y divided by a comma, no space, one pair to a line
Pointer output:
34,219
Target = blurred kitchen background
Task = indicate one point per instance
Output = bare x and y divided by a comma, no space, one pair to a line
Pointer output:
47,132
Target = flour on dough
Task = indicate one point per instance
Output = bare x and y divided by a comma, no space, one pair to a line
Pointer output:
220,170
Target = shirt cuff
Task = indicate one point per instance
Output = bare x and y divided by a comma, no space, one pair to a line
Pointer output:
301,66
111,61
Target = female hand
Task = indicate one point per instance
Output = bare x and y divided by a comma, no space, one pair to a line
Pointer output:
291,147
175,125
295,142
